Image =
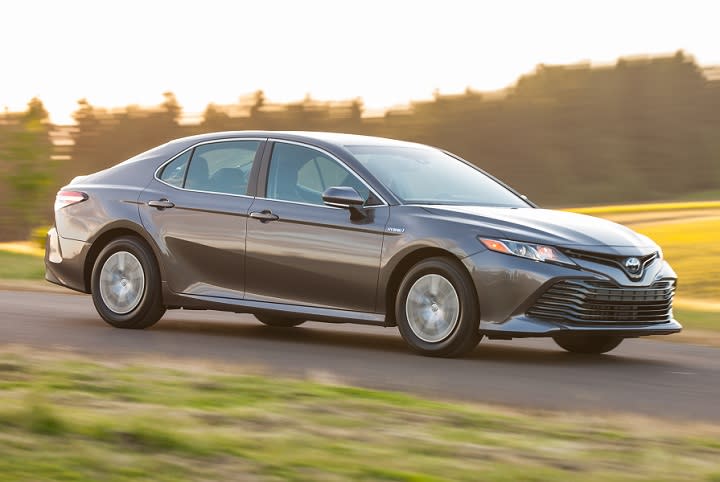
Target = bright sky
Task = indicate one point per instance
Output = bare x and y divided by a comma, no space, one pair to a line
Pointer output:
387,52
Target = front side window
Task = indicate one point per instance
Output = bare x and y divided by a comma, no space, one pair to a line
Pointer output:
302,174
222,167
424,175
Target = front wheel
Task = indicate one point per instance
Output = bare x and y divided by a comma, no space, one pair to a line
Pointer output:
436,309
587,344
125,284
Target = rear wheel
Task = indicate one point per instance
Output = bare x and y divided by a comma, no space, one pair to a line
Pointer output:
125,284
279,321
587,344
436,309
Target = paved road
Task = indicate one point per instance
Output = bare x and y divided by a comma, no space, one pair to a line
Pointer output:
642,376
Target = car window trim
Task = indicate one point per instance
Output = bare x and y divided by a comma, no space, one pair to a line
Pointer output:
266,166
258,158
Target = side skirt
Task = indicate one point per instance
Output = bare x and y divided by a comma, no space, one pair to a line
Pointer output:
311,313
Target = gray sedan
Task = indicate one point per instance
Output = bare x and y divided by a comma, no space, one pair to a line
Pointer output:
296,226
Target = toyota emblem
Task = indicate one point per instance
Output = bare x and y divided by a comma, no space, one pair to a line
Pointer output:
632,265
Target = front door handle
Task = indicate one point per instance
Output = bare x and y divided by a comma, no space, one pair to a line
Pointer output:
264,216
161,204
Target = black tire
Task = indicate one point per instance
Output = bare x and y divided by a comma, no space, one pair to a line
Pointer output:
587,344
279,321
150,308
464,336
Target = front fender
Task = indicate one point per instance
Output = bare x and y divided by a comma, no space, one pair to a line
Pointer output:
411,231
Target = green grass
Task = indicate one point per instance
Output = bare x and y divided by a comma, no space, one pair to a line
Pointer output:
72,419
21,266
712,195
698,320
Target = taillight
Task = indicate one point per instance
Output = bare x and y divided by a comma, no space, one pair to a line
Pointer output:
67,198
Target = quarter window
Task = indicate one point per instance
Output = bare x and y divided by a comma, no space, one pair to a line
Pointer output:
174,172
222,167
302,174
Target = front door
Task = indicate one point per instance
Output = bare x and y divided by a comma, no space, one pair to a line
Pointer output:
303,252
196,210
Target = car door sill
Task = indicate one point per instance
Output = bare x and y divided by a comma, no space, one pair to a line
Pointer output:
313,313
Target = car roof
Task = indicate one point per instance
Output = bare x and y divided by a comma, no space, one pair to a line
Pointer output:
322,139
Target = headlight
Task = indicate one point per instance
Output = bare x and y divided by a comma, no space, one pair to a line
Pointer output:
538,252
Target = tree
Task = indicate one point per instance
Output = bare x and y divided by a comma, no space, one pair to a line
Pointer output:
258,103
214,119
26,148
171,106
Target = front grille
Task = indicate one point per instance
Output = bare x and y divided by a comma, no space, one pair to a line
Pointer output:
602,302
614,260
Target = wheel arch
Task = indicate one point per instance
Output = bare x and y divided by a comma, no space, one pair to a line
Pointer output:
108,234
400,268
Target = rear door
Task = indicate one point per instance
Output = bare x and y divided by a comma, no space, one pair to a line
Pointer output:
196,209
299,250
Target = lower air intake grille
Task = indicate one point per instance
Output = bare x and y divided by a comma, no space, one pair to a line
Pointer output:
603,302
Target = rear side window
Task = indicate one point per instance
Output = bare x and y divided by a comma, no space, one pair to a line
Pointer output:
222,167
174,172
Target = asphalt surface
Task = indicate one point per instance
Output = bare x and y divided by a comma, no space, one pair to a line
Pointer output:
669,380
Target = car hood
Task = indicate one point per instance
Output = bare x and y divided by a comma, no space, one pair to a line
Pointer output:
545,226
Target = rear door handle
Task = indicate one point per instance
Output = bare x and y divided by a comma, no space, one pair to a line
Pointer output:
161,204
264,216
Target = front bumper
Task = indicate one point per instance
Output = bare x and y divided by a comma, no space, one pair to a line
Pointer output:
524,327
509,286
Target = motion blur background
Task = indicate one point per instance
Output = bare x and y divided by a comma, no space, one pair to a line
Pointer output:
571,104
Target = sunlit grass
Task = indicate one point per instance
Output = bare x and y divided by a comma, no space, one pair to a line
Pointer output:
693,250
72,419
689,234
23,247
640,208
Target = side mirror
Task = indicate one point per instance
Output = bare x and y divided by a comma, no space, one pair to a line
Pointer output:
342,197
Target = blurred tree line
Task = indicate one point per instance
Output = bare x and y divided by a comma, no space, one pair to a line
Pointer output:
27,174
643,129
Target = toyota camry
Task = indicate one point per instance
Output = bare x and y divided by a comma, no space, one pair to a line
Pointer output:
298,226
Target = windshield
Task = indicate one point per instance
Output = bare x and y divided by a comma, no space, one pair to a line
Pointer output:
424,175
